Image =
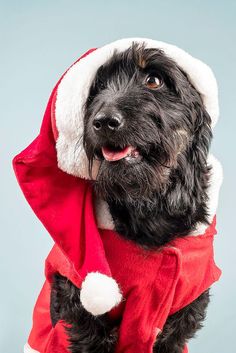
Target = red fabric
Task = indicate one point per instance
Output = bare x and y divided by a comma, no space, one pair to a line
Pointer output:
154,284
62,202
157,284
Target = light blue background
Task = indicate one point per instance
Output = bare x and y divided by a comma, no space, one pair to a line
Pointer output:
39,40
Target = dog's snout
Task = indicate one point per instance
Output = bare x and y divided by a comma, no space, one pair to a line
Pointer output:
104,121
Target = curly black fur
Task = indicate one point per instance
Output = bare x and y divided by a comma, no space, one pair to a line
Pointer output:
153,199
164,195
182,326
86,333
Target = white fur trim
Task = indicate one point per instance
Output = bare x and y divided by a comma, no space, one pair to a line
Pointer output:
99,293
28,349
74,88
212,193
103,215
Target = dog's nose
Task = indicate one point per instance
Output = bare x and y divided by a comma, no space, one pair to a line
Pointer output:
104,121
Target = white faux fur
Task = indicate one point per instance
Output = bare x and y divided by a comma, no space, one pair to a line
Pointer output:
99,293
74,88
212,192
103,215
28,349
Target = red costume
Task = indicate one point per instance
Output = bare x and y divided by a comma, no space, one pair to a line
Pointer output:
145,286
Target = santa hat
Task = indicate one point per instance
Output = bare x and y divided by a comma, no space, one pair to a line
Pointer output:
73,91
53,170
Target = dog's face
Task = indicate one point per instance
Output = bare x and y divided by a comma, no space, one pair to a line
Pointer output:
141,120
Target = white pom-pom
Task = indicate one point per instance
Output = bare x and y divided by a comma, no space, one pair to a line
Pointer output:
99,293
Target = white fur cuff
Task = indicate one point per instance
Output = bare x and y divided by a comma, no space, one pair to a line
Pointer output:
28,349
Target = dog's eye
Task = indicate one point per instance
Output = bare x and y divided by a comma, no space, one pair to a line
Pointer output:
153,82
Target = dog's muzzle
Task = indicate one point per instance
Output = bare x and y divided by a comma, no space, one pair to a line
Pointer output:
106,124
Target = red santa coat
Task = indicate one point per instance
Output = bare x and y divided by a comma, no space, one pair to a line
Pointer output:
154,284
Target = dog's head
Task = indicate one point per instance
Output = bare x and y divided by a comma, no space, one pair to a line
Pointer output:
146,123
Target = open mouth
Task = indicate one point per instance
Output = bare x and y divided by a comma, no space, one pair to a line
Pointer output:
112,153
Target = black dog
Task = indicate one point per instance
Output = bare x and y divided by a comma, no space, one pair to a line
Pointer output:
143,105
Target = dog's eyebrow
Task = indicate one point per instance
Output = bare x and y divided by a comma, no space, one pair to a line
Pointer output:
142,62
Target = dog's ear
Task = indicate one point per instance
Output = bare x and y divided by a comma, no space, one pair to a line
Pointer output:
199,119
202,134
189,196
196,167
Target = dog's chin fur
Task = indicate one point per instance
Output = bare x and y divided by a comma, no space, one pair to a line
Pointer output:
130,183
163,194
153,198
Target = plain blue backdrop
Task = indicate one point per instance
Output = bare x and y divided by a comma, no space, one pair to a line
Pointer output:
39,40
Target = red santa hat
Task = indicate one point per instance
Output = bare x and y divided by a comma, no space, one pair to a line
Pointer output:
73,91
53,170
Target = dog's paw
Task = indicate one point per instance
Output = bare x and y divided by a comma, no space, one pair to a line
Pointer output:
65,300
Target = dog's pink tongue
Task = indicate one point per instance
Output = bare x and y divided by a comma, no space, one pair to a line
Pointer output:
111,155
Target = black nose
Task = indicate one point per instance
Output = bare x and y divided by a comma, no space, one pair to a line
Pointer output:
104,121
